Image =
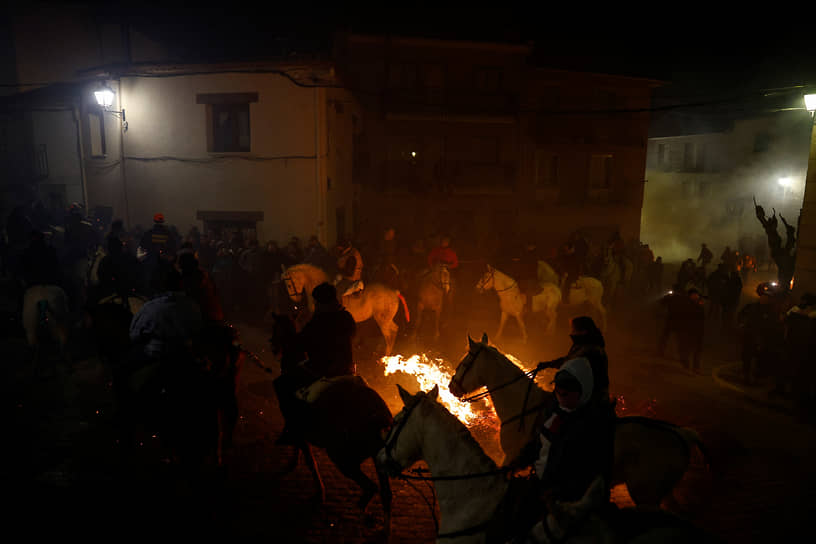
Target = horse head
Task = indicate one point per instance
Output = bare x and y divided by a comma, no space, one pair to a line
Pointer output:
403,444
487,280
565,518
442,277
294,286
467,379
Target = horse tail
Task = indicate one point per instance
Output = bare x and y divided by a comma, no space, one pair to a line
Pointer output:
687,435
404,307
692,438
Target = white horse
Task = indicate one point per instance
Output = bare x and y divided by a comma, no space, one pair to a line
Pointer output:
650,456
547,274
470,497
588,290
511,299
616,275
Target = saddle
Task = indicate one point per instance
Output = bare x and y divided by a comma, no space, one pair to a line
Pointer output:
353,289
311,393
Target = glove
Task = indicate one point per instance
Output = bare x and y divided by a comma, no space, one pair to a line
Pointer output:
555,363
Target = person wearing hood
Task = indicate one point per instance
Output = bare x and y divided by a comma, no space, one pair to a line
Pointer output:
575,441
587,342
574,447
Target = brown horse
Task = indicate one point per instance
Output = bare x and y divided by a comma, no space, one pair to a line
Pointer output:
300,281
381,303
347,419
375,300
434,288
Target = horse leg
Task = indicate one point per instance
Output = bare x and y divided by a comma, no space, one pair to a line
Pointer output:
312,464
385,496
551,316
351,469
523,328
502,321
420,309
389,331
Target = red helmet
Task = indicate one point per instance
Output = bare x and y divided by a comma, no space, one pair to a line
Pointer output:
158,218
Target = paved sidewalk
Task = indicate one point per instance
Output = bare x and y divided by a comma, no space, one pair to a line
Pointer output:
729,376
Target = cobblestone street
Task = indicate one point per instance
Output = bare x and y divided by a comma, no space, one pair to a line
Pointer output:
65,465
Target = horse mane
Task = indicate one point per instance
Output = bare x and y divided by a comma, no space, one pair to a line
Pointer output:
498,352
460,430
307,269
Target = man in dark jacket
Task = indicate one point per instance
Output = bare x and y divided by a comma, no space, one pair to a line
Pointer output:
327,337
761,332
673,302
118,270
587,342
326,340
692,329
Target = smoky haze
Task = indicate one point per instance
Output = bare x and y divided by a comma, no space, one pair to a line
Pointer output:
702,190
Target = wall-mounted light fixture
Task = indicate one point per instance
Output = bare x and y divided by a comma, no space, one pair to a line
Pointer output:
810,103
104,97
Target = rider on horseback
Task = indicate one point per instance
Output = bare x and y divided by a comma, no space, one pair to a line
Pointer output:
573,448
327,340
587,342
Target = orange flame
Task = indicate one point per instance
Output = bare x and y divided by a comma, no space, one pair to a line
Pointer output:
429,372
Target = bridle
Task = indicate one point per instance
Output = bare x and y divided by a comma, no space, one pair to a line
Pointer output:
395,469
482,285
466,365
442,283
391,464
291,289
468,362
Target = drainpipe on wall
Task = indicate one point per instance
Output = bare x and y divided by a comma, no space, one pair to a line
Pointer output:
321,203
81,156
122,128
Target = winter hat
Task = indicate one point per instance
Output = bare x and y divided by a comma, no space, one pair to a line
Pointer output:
576,375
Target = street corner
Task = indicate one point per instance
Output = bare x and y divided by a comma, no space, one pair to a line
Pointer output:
729,376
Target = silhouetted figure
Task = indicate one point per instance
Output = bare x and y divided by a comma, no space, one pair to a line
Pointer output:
39,264
705,256
692,329
761,333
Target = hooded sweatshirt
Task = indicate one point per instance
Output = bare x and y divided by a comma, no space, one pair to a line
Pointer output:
576,444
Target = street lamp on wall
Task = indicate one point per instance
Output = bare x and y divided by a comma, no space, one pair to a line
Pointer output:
104,97
810,103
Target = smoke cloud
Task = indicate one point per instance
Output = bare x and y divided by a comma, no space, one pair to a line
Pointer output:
710,199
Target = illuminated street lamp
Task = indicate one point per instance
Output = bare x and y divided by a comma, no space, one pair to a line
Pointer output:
104,96
810,103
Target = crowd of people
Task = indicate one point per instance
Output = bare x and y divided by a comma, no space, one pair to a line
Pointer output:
773,333
191,283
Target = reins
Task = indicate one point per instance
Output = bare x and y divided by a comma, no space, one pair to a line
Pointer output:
479,396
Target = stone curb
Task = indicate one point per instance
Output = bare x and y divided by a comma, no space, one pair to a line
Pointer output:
760,397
